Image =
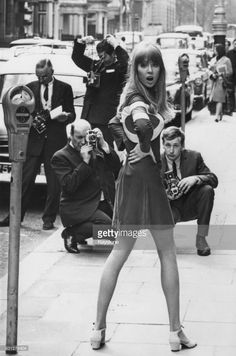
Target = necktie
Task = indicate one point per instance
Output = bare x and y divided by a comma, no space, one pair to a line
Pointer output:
45,94
174,168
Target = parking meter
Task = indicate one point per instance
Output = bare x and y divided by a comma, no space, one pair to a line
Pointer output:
183,62
18,104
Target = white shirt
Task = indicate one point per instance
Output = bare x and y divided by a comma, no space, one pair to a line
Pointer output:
170,166
47,105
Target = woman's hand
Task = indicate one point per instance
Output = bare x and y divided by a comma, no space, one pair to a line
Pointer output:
136,154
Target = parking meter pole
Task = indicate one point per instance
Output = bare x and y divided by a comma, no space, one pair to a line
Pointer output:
183,62
13,258
18,104
182,103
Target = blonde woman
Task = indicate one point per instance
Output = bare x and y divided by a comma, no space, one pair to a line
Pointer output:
141,201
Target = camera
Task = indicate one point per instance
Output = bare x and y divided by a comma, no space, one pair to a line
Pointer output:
91,138
92,80
171,185
40,120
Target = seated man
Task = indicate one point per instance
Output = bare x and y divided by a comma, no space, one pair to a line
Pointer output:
189,184
86,168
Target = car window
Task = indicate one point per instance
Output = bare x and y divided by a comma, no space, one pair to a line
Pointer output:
9,80
172,43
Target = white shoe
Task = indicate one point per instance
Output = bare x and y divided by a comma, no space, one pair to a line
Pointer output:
97,339
179,340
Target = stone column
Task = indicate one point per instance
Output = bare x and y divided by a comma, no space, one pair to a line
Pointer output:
219,23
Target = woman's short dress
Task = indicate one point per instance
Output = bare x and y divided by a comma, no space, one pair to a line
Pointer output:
141,200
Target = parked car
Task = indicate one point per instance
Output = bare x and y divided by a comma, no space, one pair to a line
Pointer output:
173,40
20,71
131,38
198,68
39,45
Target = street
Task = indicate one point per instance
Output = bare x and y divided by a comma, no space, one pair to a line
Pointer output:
216,142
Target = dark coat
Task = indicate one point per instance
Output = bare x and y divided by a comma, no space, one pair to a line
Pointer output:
82,183
192,164
232,56
55,136
100,104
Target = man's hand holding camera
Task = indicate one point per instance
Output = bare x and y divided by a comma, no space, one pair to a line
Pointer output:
186,183
112,41
94,141
85,152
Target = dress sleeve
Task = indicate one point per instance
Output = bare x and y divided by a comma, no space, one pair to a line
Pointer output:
142,125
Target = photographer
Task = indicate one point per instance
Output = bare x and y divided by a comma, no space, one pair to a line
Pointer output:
86,169
189,184
106,78
47,135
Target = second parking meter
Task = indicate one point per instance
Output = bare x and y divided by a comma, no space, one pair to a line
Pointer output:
18,104
183,62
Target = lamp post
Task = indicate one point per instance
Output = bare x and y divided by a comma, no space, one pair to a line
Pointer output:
219,23
195,12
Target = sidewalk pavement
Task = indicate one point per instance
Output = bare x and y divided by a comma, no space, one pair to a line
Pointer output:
58,291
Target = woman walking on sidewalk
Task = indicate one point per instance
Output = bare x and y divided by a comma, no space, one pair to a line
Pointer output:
221,76
141,201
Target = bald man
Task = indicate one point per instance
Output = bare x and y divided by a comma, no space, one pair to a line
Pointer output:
86,171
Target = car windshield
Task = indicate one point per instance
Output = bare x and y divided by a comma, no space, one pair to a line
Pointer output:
170,42
9,80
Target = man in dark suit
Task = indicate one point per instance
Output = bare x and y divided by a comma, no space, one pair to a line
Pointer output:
46,137
105,83
189,184
86,170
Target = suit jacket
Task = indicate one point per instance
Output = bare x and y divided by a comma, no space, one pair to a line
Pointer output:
192,164
82,183
100,104
55,136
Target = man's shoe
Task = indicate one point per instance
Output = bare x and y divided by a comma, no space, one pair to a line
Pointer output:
69,242
5,222
48,225
203,248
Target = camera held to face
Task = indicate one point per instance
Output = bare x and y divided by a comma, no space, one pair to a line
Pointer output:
92,138
93,79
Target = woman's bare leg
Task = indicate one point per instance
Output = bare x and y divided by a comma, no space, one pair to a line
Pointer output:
219,107
169,274
110,274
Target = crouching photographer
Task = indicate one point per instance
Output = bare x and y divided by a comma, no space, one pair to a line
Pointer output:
86,169
105,80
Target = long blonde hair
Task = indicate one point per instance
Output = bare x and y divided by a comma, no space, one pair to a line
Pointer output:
154,97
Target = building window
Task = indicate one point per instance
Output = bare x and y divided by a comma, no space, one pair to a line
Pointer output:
42,13
9,10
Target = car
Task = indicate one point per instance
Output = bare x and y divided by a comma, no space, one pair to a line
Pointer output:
20,71
173,40
197,84
198,68
131,38
39,45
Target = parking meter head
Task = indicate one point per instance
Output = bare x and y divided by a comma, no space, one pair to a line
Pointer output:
18,104
183,62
